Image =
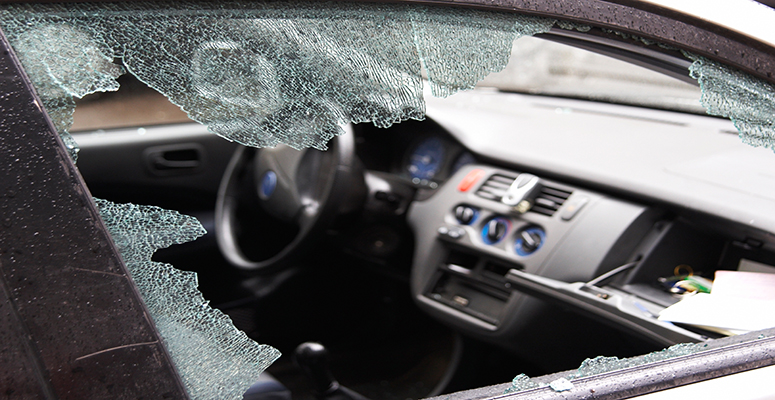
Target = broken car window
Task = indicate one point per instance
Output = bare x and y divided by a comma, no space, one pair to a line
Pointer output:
263,74
257,74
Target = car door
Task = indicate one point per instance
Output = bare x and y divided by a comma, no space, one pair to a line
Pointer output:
54,233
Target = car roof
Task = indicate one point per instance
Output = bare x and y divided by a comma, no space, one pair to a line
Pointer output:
747,17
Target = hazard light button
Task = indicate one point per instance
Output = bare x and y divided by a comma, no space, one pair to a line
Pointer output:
470,180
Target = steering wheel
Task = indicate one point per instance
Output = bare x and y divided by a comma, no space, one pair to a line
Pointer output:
298,193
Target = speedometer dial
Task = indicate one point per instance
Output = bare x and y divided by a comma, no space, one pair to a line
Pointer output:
426,159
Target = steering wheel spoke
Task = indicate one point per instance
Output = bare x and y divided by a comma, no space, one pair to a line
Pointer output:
299,188
307,217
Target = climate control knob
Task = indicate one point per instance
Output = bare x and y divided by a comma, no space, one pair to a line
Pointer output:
529,240
465,214
495,230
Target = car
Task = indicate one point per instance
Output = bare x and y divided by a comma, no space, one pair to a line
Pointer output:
439,246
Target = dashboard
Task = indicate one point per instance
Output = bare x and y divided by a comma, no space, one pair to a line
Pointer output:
538,197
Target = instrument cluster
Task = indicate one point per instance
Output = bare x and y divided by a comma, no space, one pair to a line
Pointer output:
434,158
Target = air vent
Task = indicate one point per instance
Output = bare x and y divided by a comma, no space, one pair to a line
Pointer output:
495,186
549,200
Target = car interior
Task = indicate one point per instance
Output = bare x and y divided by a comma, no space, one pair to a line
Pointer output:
513,230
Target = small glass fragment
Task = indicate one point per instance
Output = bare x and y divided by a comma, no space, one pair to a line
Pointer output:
601,364
641,39
521,382
567,25
561,385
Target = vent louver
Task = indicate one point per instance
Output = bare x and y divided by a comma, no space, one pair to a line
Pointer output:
495,186
549,200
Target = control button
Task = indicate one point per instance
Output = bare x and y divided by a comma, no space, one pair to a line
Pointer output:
460,300
456,233
573,206
495,230
529,240
465,214
470,180
452,232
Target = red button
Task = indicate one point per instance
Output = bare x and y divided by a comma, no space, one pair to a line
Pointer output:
470,180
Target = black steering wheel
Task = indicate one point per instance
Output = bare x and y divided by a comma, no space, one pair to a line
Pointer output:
298,193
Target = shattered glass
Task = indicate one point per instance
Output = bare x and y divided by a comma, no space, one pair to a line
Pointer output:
641,39
62,73
480,41
204,345
259,75
521,382
749,102
262,74
601,364
568,25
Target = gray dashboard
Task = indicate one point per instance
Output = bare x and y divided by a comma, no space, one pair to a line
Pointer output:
693,161
645,190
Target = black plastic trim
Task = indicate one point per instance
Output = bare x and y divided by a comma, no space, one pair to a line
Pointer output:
68,300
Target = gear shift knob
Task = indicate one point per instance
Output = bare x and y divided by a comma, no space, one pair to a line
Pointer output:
312,358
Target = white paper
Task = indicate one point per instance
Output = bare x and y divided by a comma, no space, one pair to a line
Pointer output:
723,312
753,266
749,285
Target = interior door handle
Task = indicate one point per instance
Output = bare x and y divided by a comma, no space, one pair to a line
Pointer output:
174,159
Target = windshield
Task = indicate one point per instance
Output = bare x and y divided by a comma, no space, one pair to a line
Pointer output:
544,67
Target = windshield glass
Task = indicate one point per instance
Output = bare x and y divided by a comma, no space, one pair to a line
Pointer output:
544,67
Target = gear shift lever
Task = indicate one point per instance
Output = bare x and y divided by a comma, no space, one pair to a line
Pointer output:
312,358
